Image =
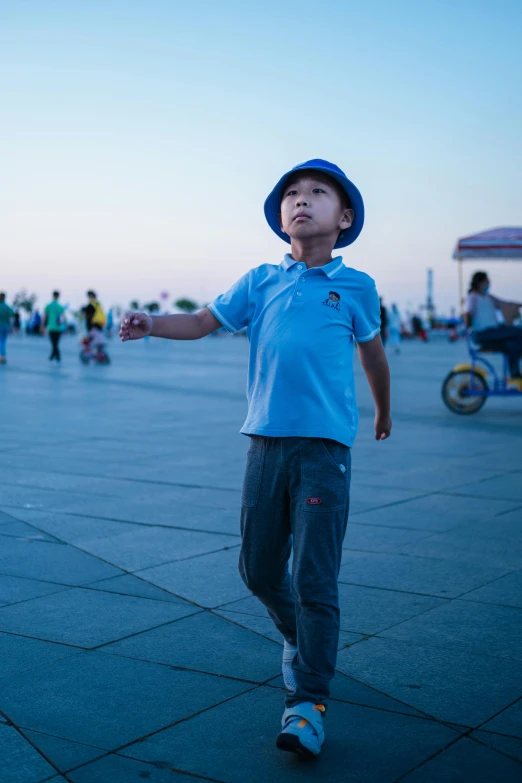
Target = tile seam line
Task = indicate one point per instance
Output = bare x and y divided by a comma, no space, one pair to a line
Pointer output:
126,571
446,646
51,763
415,556
496,750
104,496
496,714
422,715
128,480
481,497
57,736
86,552
410,713
393,527
429,758
22,485
181,771
99,647
447,489
118,750
491,582
75,648
509,511
25,600
112,519
87,585
90,586
194,775
393,589
497,733
174,667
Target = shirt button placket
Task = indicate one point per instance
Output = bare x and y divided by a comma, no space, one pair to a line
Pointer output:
301,279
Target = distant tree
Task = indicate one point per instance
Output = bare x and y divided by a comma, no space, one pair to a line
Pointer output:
24,301
134,305
187,305
152,307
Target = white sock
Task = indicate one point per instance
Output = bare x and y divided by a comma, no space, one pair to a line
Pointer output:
288,652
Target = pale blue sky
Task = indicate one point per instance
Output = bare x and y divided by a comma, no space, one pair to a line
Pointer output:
141,138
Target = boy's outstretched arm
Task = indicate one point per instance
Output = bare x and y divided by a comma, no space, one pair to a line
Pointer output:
174,327
375,366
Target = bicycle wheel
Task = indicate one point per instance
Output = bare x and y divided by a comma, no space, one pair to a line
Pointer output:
454,389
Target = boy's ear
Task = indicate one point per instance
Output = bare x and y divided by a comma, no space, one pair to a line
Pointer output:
281,223
347,218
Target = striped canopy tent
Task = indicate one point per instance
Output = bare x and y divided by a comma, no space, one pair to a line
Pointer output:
497,244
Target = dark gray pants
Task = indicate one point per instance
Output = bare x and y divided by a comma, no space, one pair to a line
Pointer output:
298,487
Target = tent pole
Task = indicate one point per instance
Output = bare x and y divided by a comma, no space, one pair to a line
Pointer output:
461,287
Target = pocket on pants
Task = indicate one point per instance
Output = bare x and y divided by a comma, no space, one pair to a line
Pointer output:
253,471
325,474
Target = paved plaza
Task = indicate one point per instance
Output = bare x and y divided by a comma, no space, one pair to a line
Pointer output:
131,650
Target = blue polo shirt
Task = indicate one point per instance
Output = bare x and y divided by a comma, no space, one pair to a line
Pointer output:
301,324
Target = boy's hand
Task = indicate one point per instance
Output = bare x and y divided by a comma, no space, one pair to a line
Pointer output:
383,425
135,325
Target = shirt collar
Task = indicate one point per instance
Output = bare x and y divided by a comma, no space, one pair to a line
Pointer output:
331,269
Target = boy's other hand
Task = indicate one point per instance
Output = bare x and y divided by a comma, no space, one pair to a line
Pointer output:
135,325
383,425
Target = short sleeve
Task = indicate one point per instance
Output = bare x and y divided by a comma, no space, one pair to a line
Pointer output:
471,303
367,315
232,309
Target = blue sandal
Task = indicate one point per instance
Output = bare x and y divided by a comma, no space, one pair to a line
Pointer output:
303,730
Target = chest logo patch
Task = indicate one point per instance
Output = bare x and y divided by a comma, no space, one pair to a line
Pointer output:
314,501
333,300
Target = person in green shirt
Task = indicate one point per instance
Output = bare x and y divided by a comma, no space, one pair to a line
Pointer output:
55,325
6,313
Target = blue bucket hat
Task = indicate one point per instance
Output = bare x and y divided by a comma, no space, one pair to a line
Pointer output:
273,202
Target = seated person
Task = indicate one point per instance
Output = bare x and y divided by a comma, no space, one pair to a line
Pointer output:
481,317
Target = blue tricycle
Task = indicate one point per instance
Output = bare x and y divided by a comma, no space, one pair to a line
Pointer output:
467,387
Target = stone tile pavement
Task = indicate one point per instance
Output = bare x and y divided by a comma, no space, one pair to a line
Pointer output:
129,647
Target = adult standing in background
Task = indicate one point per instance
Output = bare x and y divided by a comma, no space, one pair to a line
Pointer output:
16,322
89,310
394,329
384,322
55,325
6,313
110,323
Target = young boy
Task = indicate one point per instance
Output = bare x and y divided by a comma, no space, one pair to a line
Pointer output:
302,318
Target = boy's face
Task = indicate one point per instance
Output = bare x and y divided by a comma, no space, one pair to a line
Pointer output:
311,207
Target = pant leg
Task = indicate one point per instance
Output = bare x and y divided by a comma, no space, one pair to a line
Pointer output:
3,340
319,490
514,348
57,346
265,533
54,337
505,339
